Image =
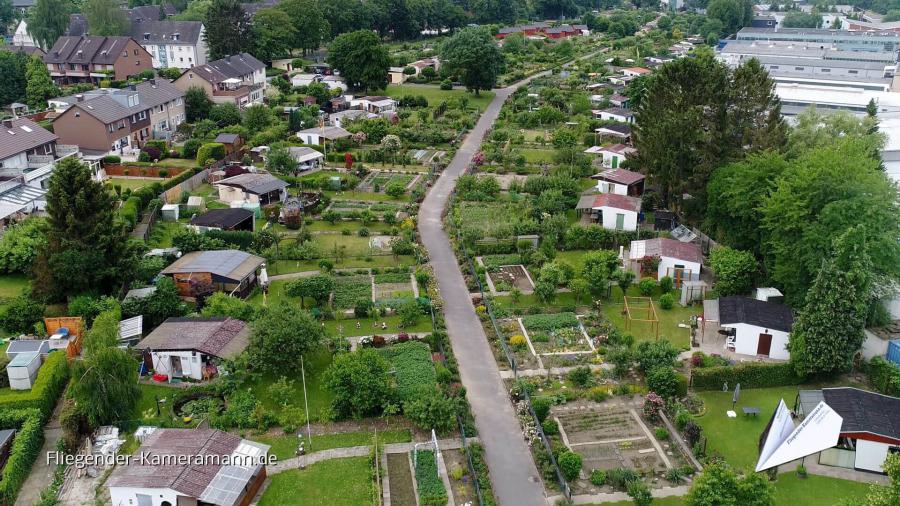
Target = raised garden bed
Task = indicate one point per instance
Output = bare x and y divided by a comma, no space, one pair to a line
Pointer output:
507,277
401,480
559,333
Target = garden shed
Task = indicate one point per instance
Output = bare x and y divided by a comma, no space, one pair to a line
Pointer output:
759,328
191,347
18,346
224,219
23,370
230,271
678,260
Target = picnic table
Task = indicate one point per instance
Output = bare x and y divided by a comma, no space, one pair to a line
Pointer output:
750,411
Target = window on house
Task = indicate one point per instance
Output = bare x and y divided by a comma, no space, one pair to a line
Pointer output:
853,72
799,68
135,52
826,70
110,127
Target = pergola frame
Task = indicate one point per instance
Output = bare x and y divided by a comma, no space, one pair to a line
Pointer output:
639,306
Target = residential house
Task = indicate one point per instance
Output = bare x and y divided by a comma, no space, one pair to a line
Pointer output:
190,466
22,140
635,72
870,430
612,211
319,136
193,347
620,181
120,120
612,156
239,79
253,188
229,219
678,260
24,45
756,327
618,100
231,271
375,105
615,114
89,59
306,158
22,6
616,130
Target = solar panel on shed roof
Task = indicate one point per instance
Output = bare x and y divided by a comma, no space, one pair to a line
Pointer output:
227,485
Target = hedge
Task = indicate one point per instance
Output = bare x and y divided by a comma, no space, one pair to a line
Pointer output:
51,381
429,483
749,375
885,376
137,202
210,151
25,450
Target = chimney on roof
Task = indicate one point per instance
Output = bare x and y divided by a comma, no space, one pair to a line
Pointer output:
7,123
79,98
132,87
153,82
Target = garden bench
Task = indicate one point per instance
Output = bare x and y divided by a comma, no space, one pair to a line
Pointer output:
750,411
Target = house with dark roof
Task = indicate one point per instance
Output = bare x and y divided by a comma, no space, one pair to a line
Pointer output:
620,181
870,430
678,260
193,347
615,114
232,142
88,59
616,130
189,467
229,270
119,120
233,218
21,139
171,44
254,188
755,327
239,79
25,49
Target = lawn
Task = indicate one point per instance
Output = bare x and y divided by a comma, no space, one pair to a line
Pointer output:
737,439
537,155
12,285
289,266
366,327
434,94
364,196
133,184
337,482
354,246
163,231
352,226
285,446
319,398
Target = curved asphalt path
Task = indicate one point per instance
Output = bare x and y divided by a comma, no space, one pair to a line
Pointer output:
514,476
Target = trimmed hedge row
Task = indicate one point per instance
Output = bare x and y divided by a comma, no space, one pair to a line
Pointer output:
51,381
25,450
140,198
885,376
749,375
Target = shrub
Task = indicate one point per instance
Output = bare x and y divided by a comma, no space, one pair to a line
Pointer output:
210,151
541,406
664,381
682,418
112,159
45,391
661,433
25,449
581,376
749,375
446,85
734,270
598,477
550,427
639,493
621,477
191,146
666,284
692,433
518,341
885,376
650,355
598,394
667,301
674,476
646,286
570,464
21,314
153,153
653,403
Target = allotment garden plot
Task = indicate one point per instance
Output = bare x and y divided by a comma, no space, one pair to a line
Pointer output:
559,333
505,273
392,286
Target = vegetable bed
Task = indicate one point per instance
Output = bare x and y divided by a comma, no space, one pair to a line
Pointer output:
415,371
349,290
431,487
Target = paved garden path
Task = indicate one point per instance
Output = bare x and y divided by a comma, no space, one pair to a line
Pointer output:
355,451
42,470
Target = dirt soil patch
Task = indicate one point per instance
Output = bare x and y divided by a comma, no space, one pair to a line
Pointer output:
401,482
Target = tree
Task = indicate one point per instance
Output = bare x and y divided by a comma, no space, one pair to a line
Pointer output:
280,160
579,287
598,269
222,304
653,354
105,382
360,383
318,288
409,313
105,17
815,202
273,33
664,381
20,244
799,19
257,118
20,315
889,495
472,55
814,129
733,14
12,68
40,86
228,29
361,59
829,329
89,307
495,11
344,16
7,13
281,335
48,20
755,110
309,23
163,303
87,248
625,278
718,485
197,104
225,114
735,270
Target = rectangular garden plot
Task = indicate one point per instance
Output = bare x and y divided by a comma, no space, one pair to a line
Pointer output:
552,334
400,476
348,290
506,277
393,286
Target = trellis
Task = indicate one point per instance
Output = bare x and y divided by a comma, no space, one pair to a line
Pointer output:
641,309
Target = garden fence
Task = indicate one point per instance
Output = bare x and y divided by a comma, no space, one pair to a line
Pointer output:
563,484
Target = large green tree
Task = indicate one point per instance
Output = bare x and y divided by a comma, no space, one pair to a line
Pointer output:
719,485
20,244
473,55
345,16
273,34
40,86
227,29
281,335
361,59
310,25
495,11
197,104
105,17
829,329
814,129
733,14
48,20
13,83
360,383
87,248
689,122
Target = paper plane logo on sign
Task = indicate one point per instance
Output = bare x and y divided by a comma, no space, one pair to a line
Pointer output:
819,431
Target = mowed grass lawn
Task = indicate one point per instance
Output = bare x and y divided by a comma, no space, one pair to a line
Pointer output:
12,285
336,482
435,94
133,184
285,446
379,261
318,397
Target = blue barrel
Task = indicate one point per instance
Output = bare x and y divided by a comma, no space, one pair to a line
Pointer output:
893,353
